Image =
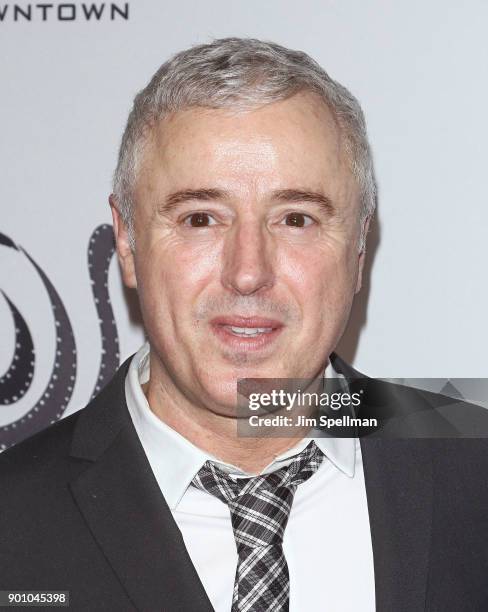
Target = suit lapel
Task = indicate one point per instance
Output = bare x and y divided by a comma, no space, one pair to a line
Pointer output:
122,504
398,474
399,489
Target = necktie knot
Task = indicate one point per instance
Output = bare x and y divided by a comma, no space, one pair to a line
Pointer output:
221,484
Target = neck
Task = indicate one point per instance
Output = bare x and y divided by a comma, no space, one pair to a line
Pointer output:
215,433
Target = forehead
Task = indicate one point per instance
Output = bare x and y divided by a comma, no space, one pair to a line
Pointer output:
291,143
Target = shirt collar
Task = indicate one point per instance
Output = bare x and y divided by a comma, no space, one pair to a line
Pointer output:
175,460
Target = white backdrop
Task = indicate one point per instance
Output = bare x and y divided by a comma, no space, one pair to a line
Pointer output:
418,68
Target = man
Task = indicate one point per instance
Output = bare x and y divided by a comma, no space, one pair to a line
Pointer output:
242,199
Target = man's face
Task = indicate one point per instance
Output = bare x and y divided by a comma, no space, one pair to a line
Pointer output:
246,259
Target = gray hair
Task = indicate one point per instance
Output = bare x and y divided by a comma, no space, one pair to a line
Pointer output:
241,74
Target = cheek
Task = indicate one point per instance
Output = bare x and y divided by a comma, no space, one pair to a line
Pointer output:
197,263
171,273
322,280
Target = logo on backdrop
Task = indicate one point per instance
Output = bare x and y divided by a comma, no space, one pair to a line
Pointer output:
66,11
54,400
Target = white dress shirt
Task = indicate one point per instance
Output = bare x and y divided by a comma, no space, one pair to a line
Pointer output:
327,541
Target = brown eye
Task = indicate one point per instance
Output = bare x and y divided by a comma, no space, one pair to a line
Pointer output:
296,219
199,219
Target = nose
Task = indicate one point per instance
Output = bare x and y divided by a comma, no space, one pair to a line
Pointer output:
248,259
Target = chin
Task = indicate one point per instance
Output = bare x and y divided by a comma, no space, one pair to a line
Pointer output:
219,393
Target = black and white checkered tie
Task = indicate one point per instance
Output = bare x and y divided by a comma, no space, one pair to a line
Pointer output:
259,508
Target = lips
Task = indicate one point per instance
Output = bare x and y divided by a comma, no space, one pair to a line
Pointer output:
246,333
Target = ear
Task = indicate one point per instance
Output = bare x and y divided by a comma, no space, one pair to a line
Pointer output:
362,254
124,251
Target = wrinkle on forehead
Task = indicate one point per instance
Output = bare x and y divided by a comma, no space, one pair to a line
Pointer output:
250,151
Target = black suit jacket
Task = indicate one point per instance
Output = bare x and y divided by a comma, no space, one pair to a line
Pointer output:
80,510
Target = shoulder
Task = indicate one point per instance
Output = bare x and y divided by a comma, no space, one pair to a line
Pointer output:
53,455
31,458
408,411
35,478
34,488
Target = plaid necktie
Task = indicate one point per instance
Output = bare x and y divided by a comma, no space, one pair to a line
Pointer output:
259,508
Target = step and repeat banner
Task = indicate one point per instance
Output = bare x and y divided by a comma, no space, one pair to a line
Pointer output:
68,74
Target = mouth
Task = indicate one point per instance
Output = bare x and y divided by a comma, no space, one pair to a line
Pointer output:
246,333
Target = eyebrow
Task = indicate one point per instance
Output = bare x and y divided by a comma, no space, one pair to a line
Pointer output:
282,195
297,196
184,195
